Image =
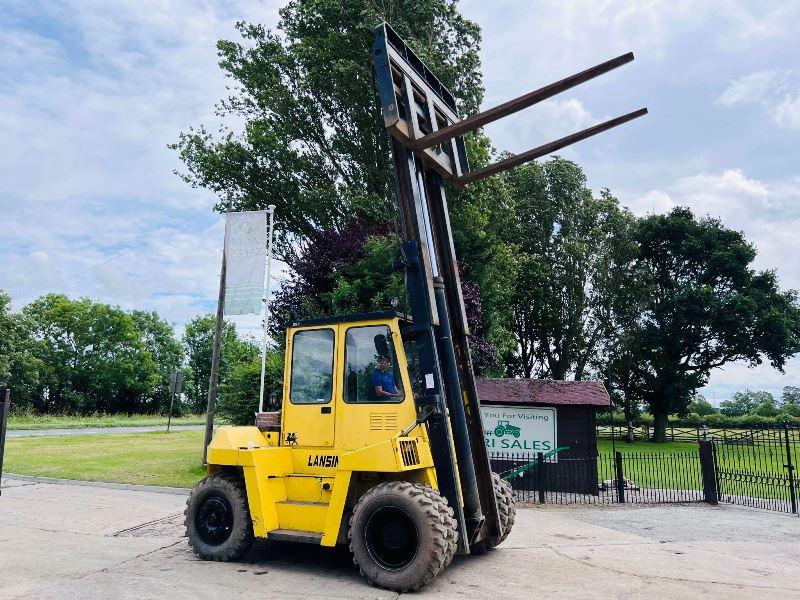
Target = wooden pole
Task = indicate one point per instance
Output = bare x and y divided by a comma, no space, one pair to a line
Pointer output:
214,377
5,402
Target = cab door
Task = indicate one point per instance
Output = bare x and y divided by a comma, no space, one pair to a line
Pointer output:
309,414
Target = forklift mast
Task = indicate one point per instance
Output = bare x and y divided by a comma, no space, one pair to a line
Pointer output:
428,148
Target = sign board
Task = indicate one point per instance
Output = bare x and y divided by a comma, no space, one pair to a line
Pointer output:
176,382
520,429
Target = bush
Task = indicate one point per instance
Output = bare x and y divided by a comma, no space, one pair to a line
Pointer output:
238,399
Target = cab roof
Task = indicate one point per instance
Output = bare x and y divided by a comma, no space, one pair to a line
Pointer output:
370,316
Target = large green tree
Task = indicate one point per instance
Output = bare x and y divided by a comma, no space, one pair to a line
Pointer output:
158,337
702,306
198,342
93,357
570,251
20,363
313,141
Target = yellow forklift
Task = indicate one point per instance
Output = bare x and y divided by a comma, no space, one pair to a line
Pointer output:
380,443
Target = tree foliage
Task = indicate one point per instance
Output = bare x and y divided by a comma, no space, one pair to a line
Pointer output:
313,141
571,250
198,342
702,306
93,358
238,400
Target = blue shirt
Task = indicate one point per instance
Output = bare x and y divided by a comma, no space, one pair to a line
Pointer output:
385,380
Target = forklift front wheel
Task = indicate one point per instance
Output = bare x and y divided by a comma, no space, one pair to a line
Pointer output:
401,535
218,521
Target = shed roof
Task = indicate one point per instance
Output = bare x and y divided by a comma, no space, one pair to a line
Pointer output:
500,390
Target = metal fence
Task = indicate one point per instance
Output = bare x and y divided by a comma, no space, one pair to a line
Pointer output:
684,434
757,468
636,477
753,467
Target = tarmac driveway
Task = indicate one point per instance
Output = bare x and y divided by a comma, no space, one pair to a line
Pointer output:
68,541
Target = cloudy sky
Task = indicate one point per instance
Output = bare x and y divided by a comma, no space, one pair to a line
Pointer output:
92,92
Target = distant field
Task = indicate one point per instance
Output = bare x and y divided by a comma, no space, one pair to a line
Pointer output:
70,422
604,446
168,459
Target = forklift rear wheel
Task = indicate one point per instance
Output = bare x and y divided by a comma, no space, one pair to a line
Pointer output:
402,535
218,521
507,511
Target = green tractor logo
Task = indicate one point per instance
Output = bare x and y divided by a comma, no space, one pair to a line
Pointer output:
505,428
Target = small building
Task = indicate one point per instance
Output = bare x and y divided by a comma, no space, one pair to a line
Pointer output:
523,417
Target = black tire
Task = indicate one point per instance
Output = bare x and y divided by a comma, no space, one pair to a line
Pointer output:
402,535
218,522
507,511
506,505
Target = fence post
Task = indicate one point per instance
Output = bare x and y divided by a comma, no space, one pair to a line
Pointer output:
790,467
540,475
672,432
5,402
620,478
708,472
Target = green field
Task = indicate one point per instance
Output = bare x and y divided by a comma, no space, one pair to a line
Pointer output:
77,422
168,459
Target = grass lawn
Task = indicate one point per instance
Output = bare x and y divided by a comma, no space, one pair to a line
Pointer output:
67,422
174,459
604,446
170,459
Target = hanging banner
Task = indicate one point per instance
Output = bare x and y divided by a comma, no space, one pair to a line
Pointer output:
245,251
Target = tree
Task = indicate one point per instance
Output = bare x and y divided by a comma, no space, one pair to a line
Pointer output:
703,306
745,403
699,405
198,343
238,399
20,364
93,357
313,141
790,396
158,337
568,246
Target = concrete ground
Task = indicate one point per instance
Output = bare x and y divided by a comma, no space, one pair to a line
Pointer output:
69,541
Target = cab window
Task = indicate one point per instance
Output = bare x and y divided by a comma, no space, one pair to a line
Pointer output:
312,367
371,370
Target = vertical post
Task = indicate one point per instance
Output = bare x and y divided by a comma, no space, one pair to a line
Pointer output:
790,467
271,212
708,472
620,477
540,475
5,402
213,380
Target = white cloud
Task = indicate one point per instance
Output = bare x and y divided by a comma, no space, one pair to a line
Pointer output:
787,112
89,98
776,92
749,88
767,212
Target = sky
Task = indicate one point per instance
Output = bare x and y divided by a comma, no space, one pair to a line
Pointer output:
91,94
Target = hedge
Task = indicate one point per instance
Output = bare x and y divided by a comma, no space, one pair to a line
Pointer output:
712,420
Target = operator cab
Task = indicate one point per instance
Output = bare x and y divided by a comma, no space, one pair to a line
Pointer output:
349,369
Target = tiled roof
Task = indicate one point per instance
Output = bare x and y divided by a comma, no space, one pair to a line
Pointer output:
541,391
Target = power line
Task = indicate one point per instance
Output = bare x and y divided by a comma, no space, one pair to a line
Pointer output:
31,294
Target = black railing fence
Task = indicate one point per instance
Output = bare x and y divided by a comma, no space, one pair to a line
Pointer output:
676,433
751,467
758,468
638,477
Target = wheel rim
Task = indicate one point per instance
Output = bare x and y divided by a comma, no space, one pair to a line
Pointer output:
391,537
214,519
